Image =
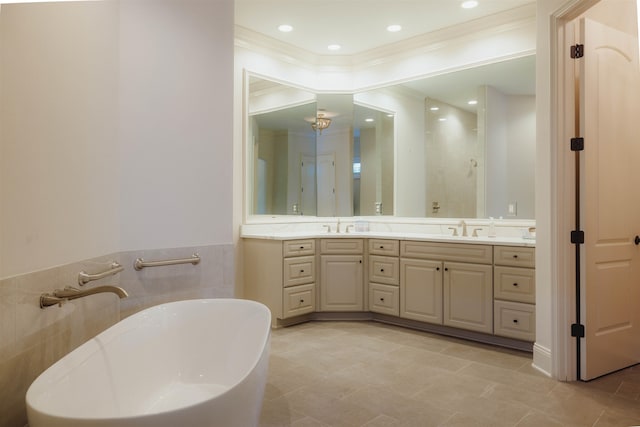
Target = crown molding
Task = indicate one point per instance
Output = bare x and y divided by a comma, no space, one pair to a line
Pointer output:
510,20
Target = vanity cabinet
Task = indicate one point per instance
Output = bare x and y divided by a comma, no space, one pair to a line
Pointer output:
384,276
468,296
439,285
341,275
421,290
514,292
281,275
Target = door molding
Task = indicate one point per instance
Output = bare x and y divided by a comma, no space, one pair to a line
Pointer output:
563,125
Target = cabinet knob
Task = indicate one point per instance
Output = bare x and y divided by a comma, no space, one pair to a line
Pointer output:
382,299
301,271
301,301
515,256
301,247
381,247
515,284
382,270
437,268
446,269
515,320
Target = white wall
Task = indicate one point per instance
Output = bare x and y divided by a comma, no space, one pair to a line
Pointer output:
175,115
116,129
59,187
521,154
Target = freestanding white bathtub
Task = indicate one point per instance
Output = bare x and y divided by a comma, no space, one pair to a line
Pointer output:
181,364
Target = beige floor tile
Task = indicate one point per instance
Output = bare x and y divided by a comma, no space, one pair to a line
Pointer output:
353,374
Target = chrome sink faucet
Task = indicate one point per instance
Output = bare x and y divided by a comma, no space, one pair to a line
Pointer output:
464,228
70,293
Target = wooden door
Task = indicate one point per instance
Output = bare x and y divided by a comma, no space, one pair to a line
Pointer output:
610,199
326,179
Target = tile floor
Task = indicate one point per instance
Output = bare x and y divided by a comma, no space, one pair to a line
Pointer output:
370,374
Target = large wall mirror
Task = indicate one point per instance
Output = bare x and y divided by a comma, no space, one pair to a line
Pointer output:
456,145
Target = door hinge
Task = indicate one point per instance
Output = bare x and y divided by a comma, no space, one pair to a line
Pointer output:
577,51
577,237
577,144
577,330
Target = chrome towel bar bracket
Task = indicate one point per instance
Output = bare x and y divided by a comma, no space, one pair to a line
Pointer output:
140,263
84,277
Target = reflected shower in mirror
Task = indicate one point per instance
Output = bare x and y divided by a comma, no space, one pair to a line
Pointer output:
373,175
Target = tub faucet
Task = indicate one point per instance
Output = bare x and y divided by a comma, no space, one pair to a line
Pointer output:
464,228
70,293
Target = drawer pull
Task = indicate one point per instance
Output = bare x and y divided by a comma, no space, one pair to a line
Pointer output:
515,256
437,268
382,270
515,284
515,321
301,271
381,247
446,269
382,299
301,301
301,247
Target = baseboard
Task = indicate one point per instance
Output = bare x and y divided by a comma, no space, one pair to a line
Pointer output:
542,360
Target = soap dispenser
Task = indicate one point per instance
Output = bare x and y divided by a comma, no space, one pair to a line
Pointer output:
492,227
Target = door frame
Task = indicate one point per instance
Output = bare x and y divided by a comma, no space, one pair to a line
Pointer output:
563,127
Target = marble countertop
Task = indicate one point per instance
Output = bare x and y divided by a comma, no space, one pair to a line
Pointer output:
481,240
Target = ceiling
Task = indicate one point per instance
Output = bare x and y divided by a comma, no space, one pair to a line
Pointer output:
357,25
360,26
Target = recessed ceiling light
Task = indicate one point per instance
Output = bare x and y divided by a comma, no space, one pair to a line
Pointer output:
434,108
285,28
472,102
389,115
442,119
394,28
368,120
334,47
470,4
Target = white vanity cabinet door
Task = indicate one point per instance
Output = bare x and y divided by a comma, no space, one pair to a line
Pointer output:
299,270
515,320
298,247
421,290
514,256
383,299
299,300
468,296
383,269
384,247
341,283
514,284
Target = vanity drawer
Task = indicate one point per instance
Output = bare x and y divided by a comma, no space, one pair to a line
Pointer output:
384,299
384,269
299,270
299,247
514,320
514,256
478,254
384,247
299,300
514,284
341,246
